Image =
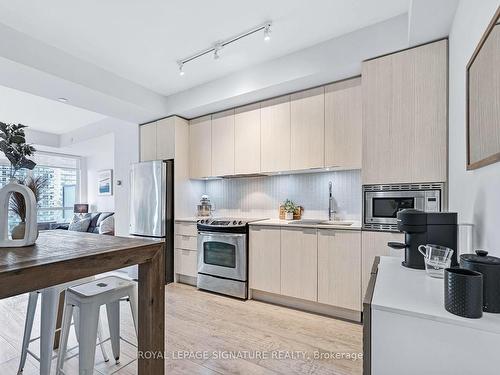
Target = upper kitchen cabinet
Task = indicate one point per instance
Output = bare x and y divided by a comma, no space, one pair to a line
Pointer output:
165,138
147,138
307,115
157,140
200,147
405,116
275,134
223,143
247,139
343,124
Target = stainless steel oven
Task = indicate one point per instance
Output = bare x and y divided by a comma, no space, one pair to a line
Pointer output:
223,256
382,202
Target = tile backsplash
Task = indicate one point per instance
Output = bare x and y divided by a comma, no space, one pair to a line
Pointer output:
261,196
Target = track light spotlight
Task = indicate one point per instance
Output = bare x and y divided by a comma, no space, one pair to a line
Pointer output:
217,48
181,69
267,32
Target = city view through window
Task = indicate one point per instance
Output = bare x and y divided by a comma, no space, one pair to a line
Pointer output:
62,189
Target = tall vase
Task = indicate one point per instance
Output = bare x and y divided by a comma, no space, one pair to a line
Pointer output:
30,233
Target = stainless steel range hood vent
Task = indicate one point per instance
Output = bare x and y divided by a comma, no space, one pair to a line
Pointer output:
249,175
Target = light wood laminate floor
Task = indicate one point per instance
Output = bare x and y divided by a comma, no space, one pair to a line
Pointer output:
203,329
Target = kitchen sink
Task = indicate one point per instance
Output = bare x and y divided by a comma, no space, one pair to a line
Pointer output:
337,222
320,222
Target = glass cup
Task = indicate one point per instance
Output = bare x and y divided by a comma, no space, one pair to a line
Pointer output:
436,259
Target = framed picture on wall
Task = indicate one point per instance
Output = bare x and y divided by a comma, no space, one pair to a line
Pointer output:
105,182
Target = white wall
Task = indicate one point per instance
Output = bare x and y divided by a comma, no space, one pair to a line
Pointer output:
100,158
124,143
475,195
262,196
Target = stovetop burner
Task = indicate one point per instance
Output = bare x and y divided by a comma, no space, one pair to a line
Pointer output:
227,222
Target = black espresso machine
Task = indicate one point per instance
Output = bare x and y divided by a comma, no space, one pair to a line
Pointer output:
422,228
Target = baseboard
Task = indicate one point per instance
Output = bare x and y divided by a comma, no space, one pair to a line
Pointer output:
184,279
309,306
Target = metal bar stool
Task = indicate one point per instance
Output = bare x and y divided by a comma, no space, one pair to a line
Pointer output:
49,307
88,299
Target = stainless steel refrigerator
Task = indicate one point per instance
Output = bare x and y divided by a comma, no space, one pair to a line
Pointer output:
152,205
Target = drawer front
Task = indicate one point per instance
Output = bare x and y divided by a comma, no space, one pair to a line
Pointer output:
186,242
186,229
186,262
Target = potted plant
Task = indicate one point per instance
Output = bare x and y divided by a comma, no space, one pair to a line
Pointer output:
16,150
18,204
290,207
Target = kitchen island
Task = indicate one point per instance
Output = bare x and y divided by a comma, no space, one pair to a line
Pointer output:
60,256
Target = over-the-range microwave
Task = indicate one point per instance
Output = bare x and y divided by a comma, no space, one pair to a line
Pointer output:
381,203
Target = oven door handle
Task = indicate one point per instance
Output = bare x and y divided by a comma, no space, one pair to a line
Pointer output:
218,234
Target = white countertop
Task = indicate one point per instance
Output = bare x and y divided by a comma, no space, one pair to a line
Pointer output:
283,223
356,225
411,292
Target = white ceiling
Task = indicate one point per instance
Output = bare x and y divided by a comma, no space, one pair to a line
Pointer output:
42,114
141,41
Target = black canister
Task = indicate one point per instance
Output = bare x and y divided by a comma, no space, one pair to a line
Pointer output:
489,267
463,292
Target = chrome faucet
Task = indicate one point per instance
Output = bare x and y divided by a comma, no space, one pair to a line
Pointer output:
331,210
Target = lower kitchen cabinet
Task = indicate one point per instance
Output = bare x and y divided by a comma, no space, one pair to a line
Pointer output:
265,255
375,244
299,263
339,268
186,249
309,264
186,262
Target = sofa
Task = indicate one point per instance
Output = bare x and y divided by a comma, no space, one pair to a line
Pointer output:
96,219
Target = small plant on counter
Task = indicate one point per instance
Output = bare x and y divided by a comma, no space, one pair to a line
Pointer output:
290,207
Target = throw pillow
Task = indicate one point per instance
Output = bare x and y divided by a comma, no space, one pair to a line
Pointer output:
107,226
80,224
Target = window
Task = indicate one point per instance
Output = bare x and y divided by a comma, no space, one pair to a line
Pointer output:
63,186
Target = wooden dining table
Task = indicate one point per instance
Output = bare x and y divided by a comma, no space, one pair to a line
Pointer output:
60,256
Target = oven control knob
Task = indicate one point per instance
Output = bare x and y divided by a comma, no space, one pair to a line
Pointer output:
235,222
239,222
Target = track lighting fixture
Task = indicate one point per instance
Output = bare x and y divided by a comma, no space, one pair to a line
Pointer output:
266,27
